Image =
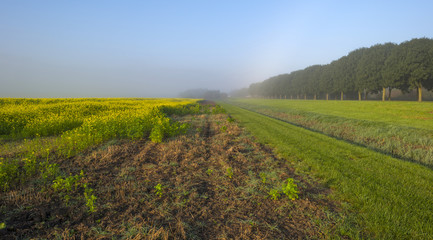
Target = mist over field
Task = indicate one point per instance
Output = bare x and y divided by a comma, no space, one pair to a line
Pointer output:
142,49
216,119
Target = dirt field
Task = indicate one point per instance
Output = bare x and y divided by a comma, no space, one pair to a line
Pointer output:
211,183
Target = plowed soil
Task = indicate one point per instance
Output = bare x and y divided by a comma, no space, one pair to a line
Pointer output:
214,183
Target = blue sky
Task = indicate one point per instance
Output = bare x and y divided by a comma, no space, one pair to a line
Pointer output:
159,48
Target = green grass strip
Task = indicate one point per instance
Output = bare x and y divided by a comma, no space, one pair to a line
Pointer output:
408,143
403,113
389,198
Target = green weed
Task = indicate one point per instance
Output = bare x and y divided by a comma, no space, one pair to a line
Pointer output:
8,173
223,128
90,199
274,194
229,172
158,189
290,189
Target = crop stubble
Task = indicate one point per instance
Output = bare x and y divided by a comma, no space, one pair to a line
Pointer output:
198,199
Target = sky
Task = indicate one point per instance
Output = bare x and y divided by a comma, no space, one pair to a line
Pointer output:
107,48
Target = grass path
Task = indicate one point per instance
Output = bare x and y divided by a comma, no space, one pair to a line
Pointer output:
367,128
402,113
389,198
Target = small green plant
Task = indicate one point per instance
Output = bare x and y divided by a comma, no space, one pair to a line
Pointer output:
47,150
65,185
60,184
157,134
209,171
2,225
49,171
8,173
229,172
31,165
223,128
218,109
90,199
230,120
158,189
291,189
274,194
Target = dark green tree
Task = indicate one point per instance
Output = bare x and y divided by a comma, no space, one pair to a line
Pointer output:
311,78
343,75
394,73
369,70
326,81
371,66
418,64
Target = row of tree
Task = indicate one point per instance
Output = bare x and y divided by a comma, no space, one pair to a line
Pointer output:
404,66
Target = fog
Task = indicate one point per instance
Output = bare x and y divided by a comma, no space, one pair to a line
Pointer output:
34,79
159,49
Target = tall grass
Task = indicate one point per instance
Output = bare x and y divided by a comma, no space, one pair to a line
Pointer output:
402,113
397,138
384,197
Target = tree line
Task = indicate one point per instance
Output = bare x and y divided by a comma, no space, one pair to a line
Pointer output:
364,71
202,93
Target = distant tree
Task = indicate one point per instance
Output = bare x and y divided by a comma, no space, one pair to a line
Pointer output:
240,93
371,67
299,85
394,73
203,93
255,90
418,64
353,60
370,70
326,80
343,76
311,78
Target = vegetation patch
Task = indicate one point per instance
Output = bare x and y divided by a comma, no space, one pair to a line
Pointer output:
202,184
398,136
382,197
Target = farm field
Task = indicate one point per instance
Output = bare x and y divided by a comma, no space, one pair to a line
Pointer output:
401,129
383,197
180,168
148,169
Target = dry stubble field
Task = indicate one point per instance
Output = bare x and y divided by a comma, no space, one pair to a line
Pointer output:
212,182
